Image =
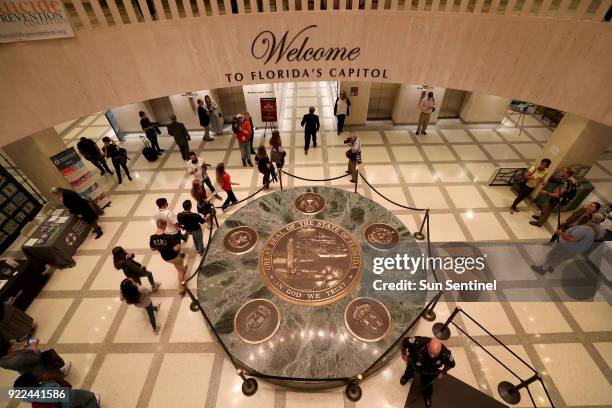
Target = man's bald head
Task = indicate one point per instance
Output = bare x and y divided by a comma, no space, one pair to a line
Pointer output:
434,347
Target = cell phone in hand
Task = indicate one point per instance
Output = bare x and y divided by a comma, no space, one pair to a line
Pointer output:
32,341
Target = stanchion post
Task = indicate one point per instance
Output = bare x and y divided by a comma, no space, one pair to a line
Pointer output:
419,234
429,313
353,391
280,179
249,385
511,393
356,179
214,215
441,330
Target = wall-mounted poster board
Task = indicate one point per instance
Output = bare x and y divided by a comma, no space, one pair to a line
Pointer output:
22,20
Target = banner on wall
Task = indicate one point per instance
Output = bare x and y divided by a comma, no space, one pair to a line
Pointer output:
268,109
24,20
69,163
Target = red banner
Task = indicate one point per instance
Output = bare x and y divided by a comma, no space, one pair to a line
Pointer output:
268,109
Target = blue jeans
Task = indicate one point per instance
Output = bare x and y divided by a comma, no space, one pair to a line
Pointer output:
198,240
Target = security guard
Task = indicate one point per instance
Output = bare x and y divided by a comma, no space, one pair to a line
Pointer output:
430,358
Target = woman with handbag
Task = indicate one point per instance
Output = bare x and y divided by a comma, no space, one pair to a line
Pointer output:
132,269
118,156
354,155
277,153
30,359
134,294
216,117
265,167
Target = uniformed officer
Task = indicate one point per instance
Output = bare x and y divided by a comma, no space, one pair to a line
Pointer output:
430,358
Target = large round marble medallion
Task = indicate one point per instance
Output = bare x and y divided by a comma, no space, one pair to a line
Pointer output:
367,319
311,263
256,321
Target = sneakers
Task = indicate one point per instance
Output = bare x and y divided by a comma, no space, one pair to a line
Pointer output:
209,139
403,380
314,144
305,151
99,234
129,178
66,368
424,132
156,307
155,286
535,223
535,217
97,398
513,210
156,330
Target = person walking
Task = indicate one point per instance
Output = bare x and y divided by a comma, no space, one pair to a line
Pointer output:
91,152
132,269
30,359
353,154
216,117
76,398
151,131
172,225
277,153
429,358
223,179
191,222
243,135
531,179
341,110
265,167
561,195
204,117
79,206
576,240
203,203
169,247
311,125
427,105
118,157
181,136
248,118
198,168
135,294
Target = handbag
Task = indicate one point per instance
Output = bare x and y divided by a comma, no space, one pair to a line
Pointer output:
52,360
350,155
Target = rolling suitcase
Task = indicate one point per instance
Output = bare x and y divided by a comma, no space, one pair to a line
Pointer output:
148,152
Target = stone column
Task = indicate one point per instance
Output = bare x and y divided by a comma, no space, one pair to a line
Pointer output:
406,108
483,108
576,141
31,156
358,112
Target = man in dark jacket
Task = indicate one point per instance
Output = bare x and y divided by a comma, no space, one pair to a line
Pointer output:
204,117
151,130
79,206
181,136
310,123
90,150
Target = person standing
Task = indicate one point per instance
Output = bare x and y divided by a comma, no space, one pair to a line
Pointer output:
76,398
311,125
135,294
341,110
427,105
172,225
277,153
29,359
243,135
265,167
578,217
249,119
79,206
531,179
565,191
429,358
353,154
90,151
223,179
574,241
191,222
197,167
132,269
169,247
118,157
216,117
151,131
181,136
204,117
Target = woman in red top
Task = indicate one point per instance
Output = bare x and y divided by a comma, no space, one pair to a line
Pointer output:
244,139
223,179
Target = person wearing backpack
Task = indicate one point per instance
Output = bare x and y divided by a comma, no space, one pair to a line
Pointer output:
132,269
560,196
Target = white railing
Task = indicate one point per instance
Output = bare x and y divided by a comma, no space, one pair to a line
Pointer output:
90,14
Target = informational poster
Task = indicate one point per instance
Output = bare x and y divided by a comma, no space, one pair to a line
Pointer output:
73,169
268,109
22,20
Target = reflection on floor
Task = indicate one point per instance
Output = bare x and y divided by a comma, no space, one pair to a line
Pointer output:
111,345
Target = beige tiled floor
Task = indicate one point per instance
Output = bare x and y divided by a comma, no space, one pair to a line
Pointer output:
111,344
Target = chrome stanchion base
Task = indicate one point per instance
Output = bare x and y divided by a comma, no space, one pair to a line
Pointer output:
509,393
193,306
418,236
353,392
441,332
429,315
249,387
